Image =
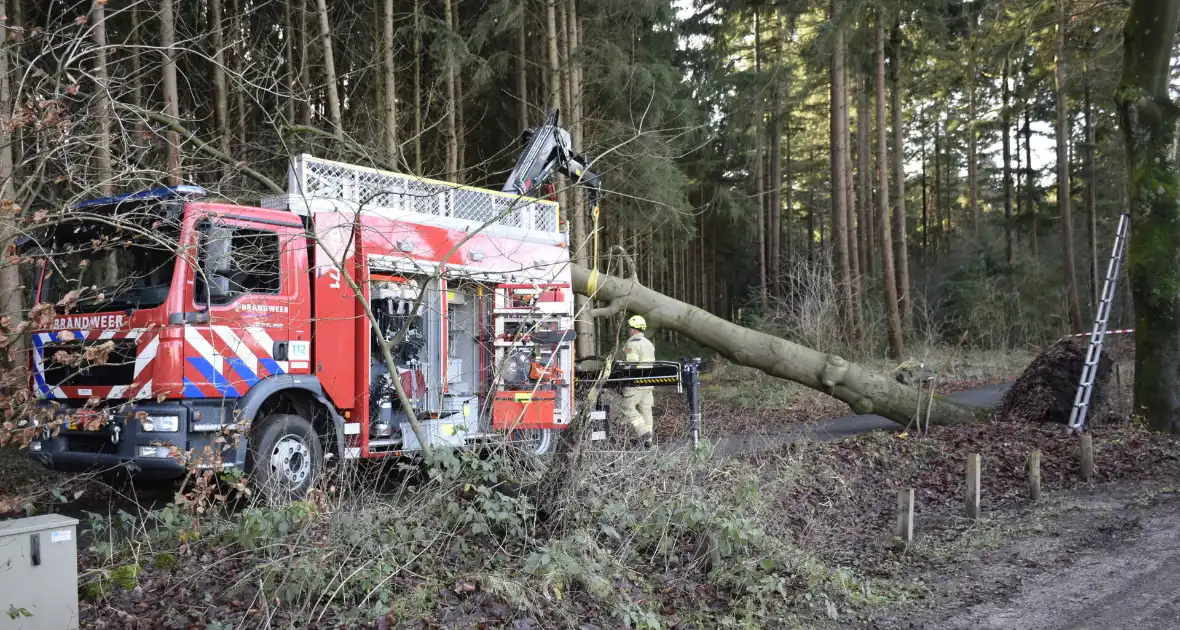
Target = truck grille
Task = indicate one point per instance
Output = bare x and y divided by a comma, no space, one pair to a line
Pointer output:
119,368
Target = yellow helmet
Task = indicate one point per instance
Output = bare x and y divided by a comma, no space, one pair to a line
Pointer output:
637,322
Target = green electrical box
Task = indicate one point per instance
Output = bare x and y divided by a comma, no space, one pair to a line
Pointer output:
39,573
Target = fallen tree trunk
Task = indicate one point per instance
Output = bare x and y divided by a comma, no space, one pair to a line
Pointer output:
864,391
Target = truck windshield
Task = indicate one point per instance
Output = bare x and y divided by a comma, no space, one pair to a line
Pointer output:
112,261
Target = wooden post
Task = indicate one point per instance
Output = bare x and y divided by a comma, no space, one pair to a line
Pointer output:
905,515
973,465
1087,448
1034,475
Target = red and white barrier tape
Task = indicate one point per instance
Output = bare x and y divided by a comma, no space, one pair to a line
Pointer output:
1109,332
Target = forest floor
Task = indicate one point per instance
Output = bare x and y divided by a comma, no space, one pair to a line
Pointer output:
794,534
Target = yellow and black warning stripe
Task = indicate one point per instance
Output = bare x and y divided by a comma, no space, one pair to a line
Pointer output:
644,381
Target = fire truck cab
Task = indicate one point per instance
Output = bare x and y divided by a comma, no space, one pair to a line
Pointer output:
192,332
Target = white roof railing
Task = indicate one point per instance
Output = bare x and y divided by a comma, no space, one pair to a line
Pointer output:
318,184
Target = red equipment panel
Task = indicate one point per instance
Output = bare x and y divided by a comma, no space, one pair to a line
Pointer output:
523,410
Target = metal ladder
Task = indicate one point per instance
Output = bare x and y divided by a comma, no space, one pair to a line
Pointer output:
1081,401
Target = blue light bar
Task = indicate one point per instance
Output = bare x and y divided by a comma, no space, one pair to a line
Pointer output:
164,192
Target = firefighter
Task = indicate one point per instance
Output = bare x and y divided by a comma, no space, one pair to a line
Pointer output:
637,401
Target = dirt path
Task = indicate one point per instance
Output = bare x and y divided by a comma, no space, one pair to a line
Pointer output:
1104,559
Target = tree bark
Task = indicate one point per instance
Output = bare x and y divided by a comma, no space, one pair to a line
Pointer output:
587,337
102,101
304,65
330,72
864,175
220,89
450,128
1091,200
1005,124
901,254
11,296
171,95
839,155
1149,123
864,391
937,192
972,135
1063,185
774,244
522,76
289,58
392,154
417,88
892,314
759,175
1029,181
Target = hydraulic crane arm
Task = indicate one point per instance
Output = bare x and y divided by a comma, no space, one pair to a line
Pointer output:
548,149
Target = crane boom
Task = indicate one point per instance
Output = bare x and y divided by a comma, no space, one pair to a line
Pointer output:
547,149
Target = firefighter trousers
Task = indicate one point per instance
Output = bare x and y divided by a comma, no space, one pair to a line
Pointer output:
636,409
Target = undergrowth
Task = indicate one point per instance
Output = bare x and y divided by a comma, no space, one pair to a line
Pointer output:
647,541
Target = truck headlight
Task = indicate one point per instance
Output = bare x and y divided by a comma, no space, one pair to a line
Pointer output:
35,446
160,424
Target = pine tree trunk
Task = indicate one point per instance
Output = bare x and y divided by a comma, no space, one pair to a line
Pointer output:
850,203
578,210
788,221
864,174
901,255
220,86
972,141
774,244
1029,180
925,209
102,101
239,69
1063,184
305,91
1149,122
1005,129
892,314
839,156
450,126
11,295
417,87
171,94
392,156
759,174
289,58
330,72
522,77
1091,200
937,192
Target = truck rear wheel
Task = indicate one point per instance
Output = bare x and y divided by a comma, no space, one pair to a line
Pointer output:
534,441
285,457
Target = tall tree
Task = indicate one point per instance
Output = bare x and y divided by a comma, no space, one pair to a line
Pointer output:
389,81
102,100
1006,131
774,223
1150,131
759,174
450,122
864,174
972,128
220,85
1091,196
892,314
171,93
839,157
1063,185
330,78
901,255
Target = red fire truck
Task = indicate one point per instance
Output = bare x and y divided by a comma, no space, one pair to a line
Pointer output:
225,335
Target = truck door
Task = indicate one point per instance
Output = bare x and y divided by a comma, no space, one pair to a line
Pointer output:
248,280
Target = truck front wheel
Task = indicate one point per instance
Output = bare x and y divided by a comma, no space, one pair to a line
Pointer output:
285,457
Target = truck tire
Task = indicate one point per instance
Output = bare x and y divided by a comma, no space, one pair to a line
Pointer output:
285,457
533,441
